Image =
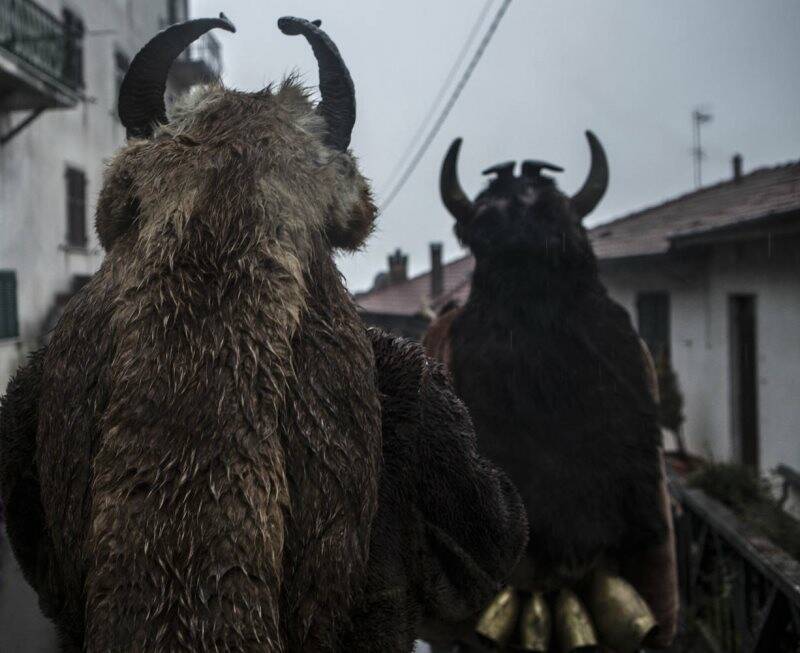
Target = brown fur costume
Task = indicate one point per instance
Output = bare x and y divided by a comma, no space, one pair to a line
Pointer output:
448,530
194,463
209,444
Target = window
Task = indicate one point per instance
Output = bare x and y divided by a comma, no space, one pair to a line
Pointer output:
177,11
121,64
73,48
76,208
9,326
743,319
653,314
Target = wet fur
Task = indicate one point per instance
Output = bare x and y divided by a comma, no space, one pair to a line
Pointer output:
553,374
208,442
448,531
450,526
213,453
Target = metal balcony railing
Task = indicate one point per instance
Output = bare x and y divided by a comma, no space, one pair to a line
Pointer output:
205,50
38,38
200,63
739,592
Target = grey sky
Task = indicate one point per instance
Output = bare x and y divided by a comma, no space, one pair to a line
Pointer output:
631,70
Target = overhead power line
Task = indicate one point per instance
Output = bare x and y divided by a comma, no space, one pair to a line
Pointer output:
451,74
448,106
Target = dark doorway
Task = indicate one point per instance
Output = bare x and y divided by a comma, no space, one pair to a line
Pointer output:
744,378
652,309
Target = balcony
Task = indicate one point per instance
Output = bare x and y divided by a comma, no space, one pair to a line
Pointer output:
740,592
200,63
40,58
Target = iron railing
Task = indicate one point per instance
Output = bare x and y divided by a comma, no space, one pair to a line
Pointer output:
40,39
205,50
739,592
790,482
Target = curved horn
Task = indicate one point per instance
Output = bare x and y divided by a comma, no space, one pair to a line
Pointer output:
338,103
141,95
453,195
593,189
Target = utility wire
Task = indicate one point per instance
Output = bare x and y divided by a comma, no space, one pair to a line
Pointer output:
448,107
440,96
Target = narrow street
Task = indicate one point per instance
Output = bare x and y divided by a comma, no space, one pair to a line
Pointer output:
23,629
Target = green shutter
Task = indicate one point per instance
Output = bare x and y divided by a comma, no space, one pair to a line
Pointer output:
9,325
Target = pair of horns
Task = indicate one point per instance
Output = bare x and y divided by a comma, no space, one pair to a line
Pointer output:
141,97
583,202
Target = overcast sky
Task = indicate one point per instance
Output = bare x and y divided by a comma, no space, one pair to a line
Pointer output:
631,70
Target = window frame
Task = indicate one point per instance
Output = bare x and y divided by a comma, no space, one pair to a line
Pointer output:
655,329
74,31
177,11
76,237
9,326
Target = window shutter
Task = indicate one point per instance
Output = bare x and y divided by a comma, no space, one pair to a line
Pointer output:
76,207
73,50
9,325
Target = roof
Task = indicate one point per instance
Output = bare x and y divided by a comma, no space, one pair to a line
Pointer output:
414,295
648,232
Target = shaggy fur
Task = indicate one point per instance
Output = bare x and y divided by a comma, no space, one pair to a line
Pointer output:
448,531
450,527
552,372
196,460
209,443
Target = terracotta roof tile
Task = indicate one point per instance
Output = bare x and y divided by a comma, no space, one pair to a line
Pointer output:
764,192
412,296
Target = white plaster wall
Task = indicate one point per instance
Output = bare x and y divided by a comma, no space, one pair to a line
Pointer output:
23,627
689,339
699,290
32,185
772,273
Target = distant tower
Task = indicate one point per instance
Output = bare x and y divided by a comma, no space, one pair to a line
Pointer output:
699,117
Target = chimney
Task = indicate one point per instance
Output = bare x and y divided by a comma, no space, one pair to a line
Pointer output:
437,274
737,167
398,267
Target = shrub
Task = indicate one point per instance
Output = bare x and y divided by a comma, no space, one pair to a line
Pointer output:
748,495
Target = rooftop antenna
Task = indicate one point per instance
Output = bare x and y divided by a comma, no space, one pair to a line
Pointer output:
699,117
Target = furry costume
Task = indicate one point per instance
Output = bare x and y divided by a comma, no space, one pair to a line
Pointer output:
195,461
557,385
449,527
448,530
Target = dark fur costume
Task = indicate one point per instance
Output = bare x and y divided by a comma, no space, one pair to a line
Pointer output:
450,526
557,392
556,382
